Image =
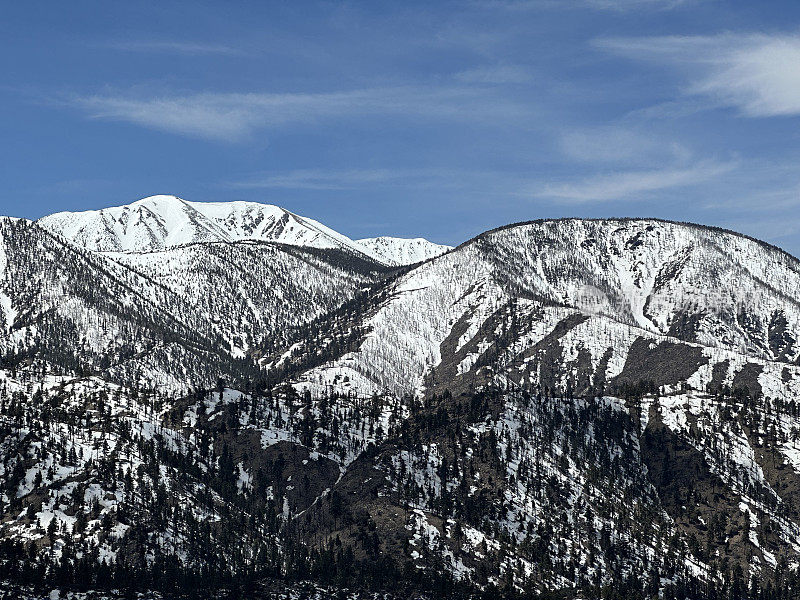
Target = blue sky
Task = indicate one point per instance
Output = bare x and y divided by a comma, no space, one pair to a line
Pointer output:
439,119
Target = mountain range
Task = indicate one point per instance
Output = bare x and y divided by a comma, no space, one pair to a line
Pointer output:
160,222
211,397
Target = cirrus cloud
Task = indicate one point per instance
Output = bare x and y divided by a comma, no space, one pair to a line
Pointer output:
235,116
755,73
187,48
623,185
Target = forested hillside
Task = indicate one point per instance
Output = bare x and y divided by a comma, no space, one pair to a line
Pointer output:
556,409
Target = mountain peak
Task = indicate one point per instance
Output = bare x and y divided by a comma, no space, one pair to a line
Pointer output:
163,221
158,199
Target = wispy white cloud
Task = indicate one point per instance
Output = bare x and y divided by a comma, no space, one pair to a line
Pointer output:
756,73
606,5
622,5
396,177
234,116
619,185
325,179
175,47
626,185
496,74
620,144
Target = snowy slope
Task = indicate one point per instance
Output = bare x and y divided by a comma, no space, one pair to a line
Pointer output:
252,291
69,310
159,222
403,251
665,281
8,311
166,318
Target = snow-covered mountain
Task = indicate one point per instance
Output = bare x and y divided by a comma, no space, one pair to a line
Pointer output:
255,291
622,278
160,222
174,318
691,330
230,393
67,310
403,251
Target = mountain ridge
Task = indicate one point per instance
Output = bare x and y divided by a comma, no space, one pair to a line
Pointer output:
403,251
159,222
628,306
624,219
564,407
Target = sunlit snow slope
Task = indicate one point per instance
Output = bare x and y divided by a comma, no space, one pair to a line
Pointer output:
589,288
403,251
160,222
